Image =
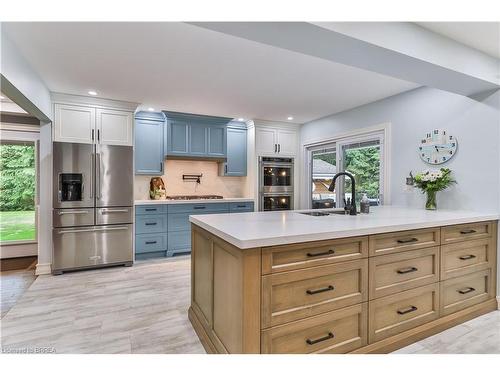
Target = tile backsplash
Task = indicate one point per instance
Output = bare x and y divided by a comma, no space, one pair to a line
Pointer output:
211,182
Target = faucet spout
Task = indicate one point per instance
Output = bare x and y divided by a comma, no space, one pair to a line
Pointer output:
352,208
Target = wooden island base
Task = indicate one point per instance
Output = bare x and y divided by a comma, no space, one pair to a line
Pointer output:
366,294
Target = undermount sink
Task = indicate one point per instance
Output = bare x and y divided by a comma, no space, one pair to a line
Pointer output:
325,213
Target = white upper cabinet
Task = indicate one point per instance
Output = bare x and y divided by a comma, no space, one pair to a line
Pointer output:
287,142
114,127
74,123
79,121
275,141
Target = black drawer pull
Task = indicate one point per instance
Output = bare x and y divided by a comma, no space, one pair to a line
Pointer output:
316,291
407,270
150,223
327,337
467,257
199,207
150,242
467,231
329,252
241,206
408,240
466,290
408,310
150,209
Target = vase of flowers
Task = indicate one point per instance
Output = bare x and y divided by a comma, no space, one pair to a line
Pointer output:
430,182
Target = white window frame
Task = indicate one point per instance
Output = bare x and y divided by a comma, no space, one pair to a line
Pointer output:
380,132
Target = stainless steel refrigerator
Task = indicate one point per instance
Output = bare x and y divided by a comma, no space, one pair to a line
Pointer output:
93,206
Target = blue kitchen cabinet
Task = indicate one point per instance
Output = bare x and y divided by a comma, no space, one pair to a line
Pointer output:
178,137
148,150
195,136
236,163
164,229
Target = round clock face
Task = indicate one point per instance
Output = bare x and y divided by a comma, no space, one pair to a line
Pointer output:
437,147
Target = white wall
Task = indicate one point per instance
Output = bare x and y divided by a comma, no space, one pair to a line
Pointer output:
475,123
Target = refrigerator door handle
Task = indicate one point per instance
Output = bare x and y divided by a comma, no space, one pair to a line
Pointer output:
98,175
113,210
73,212
91,230
92,163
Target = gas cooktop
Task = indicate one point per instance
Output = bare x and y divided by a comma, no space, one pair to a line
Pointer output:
192,197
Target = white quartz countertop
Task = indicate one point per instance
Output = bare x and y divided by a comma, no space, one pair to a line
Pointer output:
257,229
164,201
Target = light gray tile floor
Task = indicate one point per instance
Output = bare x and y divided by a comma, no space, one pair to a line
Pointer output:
143,309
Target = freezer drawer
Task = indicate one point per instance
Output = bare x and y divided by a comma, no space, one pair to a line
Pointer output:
72,217
114,215
92,246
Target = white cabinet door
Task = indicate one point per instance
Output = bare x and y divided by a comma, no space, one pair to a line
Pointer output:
114,127
287,141
73,123
265,141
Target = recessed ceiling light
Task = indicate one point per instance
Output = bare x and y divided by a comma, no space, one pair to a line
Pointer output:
241,119
290,118
92,92
151,109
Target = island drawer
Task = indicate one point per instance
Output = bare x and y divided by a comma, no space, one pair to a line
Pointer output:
150,243
340,331
309,254
400,312
465,257
150,224
473,231
462,292
150,209
293,295
395,273
389,243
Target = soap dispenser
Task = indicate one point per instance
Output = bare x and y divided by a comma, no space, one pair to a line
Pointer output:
365,204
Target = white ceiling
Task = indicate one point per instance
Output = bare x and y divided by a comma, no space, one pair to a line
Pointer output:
181,67
483,36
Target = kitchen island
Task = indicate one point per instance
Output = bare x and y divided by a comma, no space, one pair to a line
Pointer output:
286,282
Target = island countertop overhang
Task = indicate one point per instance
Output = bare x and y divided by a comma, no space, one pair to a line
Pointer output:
260,229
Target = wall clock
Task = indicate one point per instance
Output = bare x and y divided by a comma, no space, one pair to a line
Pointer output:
437,147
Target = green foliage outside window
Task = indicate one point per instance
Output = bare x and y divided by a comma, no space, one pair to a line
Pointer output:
17,178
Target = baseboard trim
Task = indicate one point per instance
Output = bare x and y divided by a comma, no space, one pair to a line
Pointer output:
43,269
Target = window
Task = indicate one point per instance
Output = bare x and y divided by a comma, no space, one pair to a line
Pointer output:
361,156
17,187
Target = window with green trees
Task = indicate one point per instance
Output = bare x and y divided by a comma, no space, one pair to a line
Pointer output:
17,191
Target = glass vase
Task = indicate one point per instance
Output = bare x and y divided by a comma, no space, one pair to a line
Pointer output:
430,203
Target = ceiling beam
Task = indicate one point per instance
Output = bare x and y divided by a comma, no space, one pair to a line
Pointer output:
360,50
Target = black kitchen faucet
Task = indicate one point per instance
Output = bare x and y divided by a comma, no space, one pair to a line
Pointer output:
352,207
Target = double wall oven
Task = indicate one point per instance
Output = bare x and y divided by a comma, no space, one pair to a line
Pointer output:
92,206
275,183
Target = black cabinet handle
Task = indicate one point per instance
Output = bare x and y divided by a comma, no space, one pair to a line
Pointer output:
329,336
275,147
199,207
279,148
329,252
151,223
407,270
321,290
466,290
150,242
150,209
241,206
408,310
408,240
467,231
98,135
92,134
467,257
